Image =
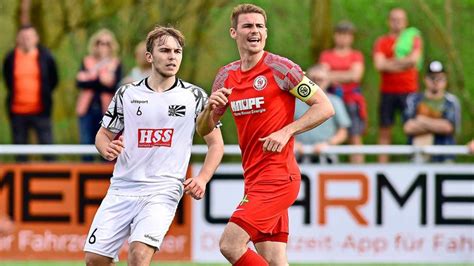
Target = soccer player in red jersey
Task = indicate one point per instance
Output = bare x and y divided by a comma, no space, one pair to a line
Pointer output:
260,90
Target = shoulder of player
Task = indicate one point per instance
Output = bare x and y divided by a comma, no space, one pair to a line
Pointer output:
279,63
230,67
196,90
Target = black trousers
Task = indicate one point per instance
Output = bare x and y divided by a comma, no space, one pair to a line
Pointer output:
41,125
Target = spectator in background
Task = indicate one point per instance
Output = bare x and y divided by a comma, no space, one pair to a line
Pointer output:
433,117
97,80
30,76
346,68
397,56
331,132
142,68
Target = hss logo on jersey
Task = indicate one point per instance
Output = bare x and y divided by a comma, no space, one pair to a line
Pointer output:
148,137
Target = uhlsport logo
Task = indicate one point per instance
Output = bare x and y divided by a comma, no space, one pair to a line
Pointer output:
148,137
260,83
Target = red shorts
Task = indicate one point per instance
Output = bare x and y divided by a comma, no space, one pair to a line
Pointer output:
263,212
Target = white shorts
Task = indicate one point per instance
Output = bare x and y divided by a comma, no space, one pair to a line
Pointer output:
143,218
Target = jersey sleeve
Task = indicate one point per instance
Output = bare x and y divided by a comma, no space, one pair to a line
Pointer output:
286,73
113,117
201,99
219,82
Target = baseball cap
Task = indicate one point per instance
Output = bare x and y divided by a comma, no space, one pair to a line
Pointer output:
345,26
435,67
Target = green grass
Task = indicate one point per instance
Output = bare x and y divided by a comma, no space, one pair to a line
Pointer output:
51,263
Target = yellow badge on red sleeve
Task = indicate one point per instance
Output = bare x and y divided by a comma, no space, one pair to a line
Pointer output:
305,89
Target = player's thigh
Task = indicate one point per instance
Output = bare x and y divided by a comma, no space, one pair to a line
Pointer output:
234,236
273,252
111,225
153,221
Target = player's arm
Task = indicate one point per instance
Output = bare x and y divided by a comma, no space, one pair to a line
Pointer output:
320,110
215,106
210,116
196,186
106,145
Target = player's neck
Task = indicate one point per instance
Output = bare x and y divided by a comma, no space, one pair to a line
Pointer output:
249,60
160,83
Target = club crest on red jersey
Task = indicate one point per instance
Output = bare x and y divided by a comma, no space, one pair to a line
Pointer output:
260,83
155,137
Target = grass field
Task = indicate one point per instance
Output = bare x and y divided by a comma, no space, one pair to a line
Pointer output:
64,263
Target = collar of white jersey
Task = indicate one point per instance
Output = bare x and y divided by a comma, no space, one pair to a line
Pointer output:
175,84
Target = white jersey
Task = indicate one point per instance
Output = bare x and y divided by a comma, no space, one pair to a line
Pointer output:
158,129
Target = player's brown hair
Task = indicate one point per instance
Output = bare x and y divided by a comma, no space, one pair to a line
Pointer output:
159,32
245,9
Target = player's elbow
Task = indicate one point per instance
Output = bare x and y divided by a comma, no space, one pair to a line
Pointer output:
329,110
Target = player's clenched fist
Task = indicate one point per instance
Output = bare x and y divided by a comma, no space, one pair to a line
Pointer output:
195,187
219,98
114,148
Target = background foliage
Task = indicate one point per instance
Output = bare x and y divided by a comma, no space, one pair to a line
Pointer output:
298,30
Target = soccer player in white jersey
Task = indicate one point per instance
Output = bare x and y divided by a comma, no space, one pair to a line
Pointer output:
157,118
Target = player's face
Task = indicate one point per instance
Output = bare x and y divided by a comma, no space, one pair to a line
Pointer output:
251,32
166,56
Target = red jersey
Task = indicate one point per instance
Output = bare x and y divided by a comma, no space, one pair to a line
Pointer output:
396,82
262,104
338,62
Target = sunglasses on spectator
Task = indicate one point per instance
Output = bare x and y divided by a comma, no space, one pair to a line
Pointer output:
437,79
99,42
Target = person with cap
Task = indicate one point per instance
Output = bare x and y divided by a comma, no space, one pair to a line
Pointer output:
346,68
397,56
434,116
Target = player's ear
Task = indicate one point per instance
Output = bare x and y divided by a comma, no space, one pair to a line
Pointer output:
149,57
233,33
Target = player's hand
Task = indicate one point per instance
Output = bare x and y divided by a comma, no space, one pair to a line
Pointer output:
219,98
276,141
114,148
195,187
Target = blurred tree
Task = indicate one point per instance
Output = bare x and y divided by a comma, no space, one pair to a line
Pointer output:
321,26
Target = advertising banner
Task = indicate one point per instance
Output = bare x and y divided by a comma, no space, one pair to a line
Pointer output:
52,206
367,213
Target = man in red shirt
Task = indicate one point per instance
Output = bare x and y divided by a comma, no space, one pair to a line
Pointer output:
396,56
260,90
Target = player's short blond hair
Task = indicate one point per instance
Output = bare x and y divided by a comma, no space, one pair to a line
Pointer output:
159,32
245,9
